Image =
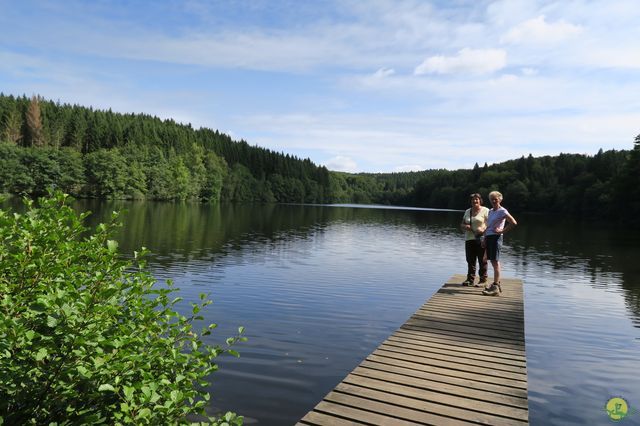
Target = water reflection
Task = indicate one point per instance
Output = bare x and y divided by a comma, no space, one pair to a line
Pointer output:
319,287
183,231
202,229
608,255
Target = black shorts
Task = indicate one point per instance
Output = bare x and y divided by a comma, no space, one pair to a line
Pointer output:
493,244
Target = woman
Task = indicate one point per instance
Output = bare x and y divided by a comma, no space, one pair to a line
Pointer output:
474,223
498,216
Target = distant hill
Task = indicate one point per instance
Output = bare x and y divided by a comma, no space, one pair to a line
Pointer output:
95,153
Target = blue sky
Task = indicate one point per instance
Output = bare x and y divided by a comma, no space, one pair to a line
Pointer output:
356,85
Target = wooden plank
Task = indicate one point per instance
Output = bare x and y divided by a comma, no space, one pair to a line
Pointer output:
319,418
453,330
356,397
459,359
421,413
487,370
456,356
469,341
491,333
439,386
455,406
474,316
352,414
466,383
446,370
478,361
468,350
479,305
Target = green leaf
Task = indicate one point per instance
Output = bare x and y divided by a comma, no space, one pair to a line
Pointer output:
128,392
112,246
146,391
38,307
106,387
42,353
104,314
51,321
83,371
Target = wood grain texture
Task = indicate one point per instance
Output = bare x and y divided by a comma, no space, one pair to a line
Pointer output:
459,360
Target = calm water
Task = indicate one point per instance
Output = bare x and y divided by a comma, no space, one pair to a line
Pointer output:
319,287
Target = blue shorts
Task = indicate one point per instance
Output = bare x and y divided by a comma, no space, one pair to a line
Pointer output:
493,244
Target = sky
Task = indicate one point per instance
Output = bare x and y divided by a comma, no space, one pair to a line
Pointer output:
354,85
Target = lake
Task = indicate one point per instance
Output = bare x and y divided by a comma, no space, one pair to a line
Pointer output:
319,287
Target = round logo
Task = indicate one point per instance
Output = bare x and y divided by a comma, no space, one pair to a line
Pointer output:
617,408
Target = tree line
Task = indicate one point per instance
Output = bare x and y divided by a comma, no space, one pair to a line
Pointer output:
605,185
95,153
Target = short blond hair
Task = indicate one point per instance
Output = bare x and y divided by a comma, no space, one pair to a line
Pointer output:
495,194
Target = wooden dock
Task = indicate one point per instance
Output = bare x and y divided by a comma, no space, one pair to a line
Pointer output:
459,360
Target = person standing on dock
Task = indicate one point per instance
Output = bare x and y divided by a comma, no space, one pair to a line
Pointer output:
498,216
474,223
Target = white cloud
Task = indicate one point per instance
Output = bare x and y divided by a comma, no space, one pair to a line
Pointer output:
623,57
467,61
409,168
344,91
381,79
342,164
384,72
538,31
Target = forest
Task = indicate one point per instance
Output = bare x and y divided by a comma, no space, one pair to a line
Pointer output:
103,154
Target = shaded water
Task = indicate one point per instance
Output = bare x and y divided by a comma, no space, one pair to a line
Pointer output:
319,287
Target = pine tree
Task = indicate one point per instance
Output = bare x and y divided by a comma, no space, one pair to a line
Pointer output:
35,134
12,127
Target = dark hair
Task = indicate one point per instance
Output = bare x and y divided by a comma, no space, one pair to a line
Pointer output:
476,195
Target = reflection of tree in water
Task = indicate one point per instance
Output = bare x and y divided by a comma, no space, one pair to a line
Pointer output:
183,231
200,230
599,247
179,232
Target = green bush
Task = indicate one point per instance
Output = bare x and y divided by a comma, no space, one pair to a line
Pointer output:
86,337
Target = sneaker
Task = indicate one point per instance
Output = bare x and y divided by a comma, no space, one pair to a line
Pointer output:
493,290
467,283
481,283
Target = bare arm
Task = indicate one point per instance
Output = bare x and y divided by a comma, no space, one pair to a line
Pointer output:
464,226
511,223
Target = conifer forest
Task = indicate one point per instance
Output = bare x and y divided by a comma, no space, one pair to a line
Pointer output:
92,153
